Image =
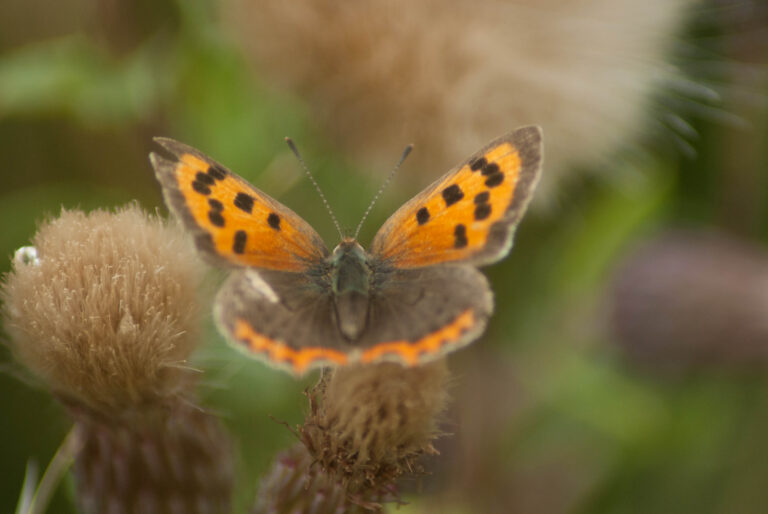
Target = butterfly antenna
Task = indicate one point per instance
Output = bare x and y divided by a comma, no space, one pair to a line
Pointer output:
383,187
314,183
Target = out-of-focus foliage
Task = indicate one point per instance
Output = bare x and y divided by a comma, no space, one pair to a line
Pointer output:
549,415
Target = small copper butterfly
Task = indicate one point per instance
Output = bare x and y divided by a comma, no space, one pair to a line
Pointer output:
413,296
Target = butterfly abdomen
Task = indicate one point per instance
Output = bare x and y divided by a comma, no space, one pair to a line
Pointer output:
351,278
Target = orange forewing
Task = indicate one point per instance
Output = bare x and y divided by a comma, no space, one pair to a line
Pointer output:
246,226
451,220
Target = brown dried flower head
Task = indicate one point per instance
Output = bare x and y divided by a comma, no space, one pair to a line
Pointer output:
370,424
296,484
107,313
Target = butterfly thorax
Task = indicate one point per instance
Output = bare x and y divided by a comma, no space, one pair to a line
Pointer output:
351,282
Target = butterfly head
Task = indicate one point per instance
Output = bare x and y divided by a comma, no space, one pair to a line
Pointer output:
347,252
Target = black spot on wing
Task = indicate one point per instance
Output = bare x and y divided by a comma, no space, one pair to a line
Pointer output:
422,216
216,218
204,178
244,202
452,194
490,169
477,164
482,197
217,173
494,180
482,211
215,213
238,245
273,220
460,236
201,188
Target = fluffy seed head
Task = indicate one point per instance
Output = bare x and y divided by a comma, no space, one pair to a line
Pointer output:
381,73
107,312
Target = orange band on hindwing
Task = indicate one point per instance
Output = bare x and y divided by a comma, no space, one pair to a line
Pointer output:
281,354
299,360
411,353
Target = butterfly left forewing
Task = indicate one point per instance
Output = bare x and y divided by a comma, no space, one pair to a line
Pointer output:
233,222
470,213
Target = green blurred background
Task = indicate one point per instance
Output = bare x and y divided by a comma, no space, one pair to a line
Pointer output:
551,413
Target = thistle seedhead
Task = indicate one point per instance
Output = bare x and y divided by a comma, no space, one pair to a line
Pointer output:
370,424
104,310
107,312
296,484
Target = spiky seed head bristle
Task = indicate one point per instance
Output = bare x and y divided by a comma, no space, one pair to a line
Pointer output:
108,312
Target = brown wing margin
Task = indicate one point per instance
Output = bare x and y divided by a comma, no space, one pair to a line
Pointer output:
528,141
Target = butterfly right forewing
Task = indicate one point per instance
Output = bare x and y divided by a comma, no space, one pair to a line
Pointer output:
469,214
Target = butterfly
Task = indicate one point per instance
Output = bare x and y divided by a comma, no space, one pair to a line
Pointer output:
413,296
